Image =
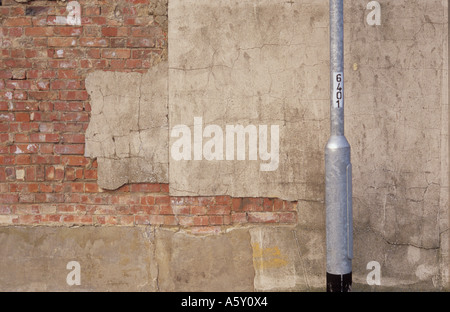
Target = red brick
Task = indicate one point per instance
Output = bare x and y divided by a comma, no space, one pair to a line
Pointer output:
181,210
15,32
90,11
198,210
6,117
6,160
170,220
22,160
118,64
116,53
29,219
141,43
138,1
145,187
186,220
90,174
9,198
66,74
39,31
94,42
216,220
147,31
73,138
201,220
62,42
67,30
50,198
219,209
147,200
43,95
287,217
164,188
142,220
24,149
45,188
91,187
73,95
133,64
40,73
51,218
22,117
46,148
114,31
252,204
205,201
18,137
72,63
278,204
17,21
20,95
290,205
44,137
162,200
71,149
94,53
126,220
25,198
54,173
74,160
223,200
262,217
65,85
69,106
268,204
165,210
151,210
29,126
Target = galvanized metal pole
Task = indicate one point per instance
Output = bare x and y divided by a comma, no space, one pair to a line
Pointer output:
338,169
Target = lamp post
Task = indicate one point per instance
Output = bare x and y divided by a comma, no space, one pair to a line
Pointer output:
338,169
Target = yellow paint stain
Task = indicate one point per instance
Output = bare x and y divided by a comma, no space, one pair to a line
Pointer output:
269,257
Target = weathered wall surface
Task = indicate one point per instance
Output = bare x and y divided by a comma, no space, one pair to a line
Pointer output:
397,123
87,171
128,132
251,64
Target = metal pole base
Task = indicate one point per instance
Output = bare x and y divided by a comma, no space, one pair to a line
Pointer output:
339,282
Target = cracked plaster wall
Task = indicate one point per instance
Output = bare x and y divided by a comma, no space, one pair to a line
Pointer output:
128,130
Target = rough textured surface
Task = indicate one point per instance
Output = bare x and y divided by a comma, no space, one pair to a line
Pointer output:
251,63
397,123
128,130
111,259
287,258
275,72
204,263
124,259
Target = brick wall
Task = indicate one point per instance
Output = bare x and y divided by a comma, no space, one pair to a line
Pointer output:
44,112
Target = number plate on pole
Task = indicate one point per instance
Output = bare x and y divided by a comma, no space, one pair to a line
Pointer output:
338,90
